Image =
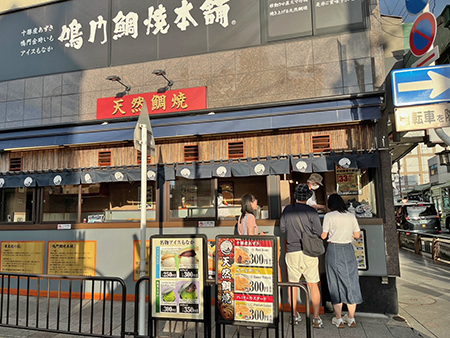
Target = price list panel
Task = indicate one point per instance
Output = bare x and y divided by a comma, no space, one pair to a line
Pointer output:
247,280
178,276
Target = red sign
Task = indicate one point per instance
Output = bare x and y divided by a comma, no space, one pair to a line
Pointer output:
172,101
423,33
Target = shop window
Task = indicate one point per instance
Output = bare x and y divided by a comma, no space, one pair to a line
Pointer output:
321,143
60,203
191,153
192,198
116,202
433,169
230,192
15,164
104,158
139,157
235,149
17,204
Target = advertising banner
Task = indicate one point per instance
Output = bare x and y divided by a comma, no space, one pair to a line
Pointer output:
67,36
172,101
247,280
178,276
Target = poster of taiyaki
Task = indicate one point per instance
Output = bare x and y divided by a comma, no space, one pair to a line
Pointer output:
178,274
360,251
246,277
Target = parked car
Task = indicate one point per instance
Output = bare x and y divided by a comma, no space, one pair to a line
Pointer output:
419,217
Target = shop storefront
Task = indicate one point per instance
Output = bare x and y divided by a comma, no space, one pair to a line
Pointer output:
258,99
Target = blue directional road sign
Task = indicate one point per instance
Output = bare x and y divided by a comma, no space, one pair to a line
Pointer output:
424,85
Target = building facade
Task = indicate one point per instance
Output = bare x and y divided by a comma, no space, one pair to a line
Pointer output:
254,97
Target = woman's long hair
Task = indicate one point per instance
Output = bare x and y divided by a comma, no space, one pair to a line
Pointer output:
336,203
246,205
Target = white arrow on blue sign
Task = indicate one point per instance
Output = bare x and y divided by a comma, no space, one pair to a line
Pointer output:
425,85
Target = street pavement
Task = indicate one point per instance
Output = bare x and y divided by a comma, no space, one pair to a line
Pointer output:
424,300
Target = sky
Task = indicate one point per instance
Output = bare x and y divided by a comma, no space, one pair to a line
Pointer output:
398,8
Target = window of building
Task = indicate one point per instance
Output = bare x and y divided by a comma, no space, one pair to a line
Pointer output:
139,156
60,203
321,143
15,164
104,158
17,204
236,149
230,191
191,153
192,198
433,169
117,201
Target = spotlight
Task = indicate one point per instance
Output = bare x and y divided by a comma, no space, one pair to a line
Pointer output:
116,78
160,72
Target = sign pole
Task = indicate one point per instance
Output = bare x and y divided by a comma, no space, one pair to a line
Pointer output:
143,226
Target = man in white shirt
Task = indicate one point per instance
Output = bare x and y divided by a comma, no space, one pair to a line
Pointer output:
314,182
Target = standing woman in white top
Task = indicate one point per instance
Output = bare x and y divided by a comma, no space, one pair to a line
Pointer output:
341,226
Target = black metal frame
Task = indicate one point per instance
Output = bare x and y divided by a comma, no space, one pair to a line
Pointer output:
12,281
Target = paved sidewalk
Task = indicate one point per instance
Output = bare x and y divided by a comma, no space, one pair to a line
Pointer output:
368,326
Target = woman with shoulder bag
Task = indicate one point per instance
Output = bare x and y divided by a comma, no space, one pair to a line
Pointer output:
341,226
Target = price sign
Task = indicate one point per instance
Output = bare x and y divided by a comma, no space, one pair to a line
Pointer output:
247,279
348,181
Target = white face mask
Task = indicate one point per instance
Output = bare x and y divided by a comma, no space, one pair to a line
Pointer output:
315,186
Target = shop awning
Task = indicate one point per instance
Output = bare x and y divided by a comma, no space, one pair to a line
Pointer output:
280,117
197,170
62,136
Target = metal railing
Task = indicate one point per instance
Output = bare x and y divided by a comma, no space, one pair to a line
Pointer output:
63,304
152,327
436,245
302,286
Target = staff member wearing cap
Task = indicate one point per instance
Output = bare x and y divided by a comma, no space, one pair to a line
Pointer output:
314,182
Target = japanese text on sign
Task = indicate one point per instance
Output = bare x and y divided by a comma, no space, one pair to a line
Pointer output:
422,117
172,101
245,276
22,257
178,274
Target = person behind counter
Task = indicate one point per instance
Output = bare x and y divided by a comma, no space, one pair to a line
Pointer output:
315,182
247,221
341,226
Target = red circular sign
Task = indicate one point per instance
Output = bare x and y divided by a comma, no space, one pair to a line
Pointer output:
423,33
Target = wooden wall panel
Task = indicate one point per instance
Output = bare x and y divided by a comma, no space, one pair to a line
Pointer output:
216,148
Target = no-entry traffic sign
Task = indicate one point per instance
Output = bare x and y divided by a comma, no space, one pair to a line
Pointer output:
423,33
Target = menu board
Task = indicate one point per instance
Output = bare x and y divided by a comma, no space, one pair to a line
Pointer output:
360,251
178,272
247,280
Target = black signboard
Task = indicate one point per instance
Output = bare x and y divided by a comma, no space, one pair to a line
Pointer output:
331,16
52,39
288,19
84,34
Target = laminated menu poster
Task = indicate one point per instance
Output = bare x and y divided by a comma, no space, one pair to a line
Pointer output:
247,280
178,276
360,251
